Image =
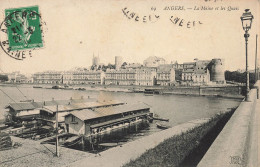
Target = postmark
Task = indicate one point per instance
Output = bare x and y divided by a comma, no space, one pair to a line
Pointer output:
21,32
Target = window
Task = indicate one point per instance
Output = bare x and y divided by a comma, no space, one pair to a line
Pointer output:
73,118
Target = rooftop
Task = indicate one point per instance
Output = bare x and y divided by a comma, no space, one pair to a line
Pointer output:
78,106
87,114
33,105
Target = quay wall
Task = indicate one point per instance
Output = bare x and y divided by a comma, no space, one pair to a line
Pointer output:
229,91
222,91
233,146
120,155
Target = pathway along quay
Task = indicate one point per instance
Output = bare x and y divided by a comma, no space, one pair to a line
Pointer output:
237,144
120,155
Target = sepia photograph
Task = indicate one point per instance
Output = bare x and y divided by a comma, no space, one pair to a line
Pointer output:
141,83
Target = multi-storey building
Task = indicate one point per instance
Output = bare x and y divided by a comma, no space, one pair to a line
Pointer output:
165,75
140,76
146,76
84,77
48,77
196,73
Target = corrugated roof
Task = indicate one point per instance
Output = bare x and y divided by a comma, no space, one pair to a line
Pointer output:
87,114
84,114
77,106
33,105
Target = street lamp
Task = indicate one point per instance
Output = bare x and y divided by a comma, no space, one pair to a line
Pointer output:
246,20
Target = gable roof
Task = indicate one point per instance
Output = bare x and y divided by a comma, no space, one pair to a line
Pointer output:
88,114
78,106
33,105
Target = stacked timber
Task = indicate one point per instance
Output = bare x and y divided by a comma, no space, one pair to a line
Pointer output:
5,141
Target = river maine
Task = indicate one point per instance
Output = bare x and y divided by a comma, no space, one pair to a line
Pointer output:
178,108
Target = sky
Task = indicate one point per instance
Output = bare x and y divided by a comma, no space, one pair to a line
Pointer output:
77,29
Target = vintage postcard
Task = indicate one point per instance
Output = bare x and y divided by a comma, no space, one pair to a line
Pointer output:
129,83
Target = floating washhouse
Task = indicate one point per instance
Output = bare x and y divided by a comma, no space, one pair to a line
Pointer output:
48,113
45,111
95,120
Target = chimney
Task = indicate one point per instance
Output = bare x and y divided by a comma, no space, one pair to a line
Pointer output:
44,103
52,99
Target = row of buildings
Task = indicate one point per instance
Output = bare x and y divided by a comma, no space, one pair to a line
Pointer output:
153,72
17,77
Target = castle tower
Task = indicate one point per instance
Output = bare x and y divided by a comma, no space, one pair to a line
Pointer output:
118,62
217,71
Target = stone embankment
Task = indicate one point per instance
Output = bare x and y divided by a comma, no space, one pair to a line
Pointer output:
237,144
120,155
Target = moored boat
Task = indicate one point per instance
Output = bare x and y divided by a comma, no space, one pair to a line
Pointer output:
161,126
37,86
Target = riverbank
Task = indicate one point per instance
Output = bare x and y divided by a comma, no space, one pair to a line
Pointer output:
224,91
120,155
185,149
44,155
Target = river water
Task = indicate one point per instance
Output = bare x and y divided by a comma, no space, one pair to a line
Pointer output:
177,108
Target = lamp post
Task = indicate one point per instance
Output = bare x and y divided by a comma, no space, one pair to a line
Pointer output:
246,20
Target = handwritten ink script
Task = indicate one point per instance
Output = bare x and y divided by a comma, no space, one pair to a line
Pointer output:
147,18
176,20
152,18
181,22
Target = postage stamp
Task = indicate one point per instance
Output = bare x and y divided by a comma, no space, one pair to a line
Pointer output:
22,28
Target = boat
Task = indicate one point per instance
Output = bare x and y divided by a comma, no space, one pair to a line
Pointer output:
81,89
66,87
56,87
161,119
108,144
161,126
28,100
37,86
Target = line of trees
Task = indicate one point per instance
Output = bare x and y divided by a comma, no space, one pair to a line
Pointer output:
3,78
236,76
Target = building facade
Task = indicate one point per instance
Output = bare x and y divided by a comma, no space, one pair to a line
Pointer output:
48,77
154,72
140,76
165,75
84,77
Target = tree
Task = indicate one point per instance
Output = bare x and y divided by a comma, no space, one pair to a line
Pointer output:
239,77
3,78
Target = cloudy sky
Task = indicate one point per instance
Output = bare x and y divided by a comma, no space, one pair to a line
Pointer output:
77,29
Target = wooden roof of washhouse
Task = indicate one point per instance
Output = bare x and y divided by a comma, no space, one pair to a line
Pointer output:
33,105
79,106
87,114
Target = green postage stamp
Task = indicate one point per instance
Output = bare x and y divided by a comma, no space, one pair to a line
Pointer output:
23,28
